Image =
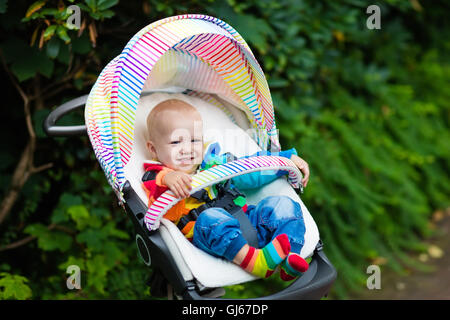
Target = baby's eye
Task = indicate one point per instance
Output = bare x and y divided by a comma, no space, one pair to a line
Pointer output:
196,140
174,142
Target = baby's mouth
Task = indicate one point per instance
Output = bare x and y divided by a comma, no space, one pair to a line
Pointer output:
186,160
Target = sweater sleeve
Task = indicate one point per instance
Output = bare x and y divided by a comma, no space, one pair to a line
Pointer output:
254,179
260,178
151,181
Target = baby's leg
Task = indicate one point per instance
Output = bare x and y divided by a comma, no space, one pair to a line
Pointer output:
281,215
218,233
263,262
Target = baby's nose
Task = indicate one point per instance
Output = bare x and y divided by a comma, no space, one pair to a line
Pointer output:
186,148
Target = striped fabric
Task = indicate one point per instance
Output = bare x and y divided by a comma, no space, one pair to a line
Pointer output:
213,101
220,173
196,52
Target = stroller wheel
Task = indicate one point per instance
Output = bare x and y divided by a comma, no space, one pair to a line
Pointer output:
159,286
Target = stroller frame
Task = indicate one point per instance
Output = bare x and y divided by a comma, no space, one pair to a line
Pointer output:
315,283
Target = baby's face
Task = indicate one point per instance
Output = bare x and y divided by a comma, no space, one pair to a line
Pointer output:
178,143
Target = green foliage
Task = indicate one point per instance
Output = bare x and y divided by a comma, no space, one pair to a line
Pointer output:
14,287
47,240
368,110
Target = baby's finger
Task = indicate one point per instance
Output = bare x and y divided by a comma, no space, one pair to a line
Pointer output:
187,181
187,176
183,190
186,189
305,176
176,190
305,182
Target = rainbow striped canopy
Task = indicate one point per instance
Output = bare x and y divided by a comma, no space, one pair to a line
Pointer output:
197,53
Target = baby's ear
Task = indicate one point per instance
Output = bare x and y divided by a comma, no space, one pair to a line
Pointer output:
151,149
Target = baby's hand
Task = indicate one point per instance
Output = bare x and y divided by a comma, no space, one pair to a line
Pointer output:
179,183
303,166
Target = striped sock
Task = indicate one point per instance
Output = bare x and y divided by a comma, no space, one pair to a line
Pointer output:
262,262
293,266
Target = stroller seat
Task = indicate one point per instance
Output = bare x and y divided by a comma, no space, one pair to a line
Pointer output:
195,264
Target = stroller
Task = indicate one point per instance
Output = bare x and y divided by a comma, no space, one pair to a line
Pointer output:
205,62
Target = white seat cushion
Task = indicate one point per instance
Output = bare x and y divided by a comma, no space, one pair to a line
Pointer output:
218,127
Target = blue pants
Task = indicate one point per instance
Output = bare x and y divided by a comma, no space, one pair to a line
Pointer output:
218,233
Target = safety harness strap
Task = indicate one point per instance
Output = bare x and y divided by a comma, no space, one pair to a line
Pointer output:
224,200
248,231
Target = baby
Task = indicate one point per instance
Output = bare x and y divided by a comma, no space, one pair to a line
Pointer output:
175,141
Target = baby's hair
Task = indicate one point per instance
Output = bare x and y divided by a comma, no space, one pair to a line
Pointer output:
162,108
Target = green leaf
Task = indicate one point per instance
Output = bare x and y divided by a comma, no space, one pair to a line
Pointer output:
26,61
36,229
112,231
108,14
23,71
49,240
55,241
83,7
80,215
65,201
68,199
64,55
113,253
255,30
97,269
45,66
95,15
59,215
106,4
92,4
50,31
93,238
50,12
53,48
62,33
99,212
14,287
35,7
81,45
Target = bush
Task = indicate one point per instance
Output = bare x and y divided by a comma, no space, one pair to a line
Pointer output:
366,108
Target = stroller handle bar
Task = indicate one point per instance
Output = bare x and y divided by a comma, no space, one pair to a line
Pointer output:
220,173
50,127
